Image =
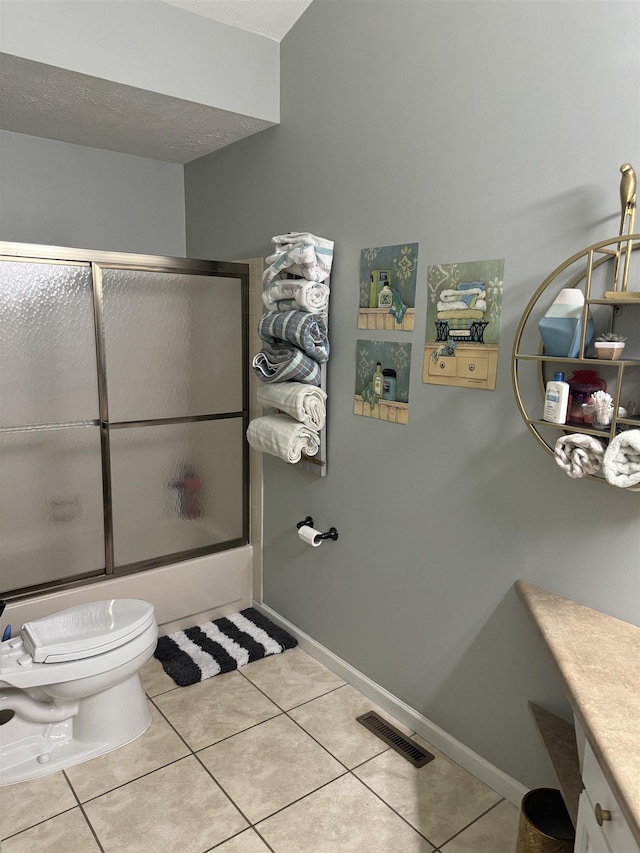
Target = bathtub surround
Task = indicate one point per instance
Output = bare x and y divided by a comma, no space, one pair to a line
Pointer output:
217,647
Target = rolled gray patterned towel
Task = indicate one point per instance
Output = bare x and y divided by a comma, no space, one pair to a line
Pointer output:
303,330
285,363
579,455
622,459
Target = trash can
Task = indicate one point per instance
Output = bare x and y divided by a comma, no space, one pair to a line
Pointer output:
545,825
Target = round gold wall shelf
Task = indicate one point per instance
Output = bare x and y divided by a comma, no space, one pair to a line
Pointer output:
597,271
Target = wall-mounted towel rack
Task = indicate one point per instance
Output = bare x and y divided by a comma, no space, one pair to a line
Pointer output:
294,329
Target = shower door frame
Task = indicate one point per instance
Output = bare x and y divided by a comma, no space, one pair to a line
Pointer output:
98,261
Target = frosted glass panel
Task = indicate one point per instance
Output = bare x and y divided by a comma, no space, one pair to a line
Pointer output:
173,344
47,344
51,517
176,487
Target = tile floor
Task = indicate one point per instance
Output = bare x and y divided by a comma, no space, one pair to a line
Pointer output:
269,757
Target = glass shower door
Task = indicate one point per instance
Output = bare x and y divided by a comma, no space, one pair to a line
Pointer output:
173,347
51,508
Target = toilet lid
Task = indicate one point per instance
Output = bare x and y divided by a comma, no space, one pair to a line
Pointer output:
86,630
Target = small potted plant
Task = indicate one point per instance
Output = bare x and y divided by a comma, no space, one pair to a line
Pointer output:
609,346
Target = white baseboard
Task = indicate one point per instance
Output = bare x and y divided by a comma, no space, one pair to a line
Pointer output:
503,784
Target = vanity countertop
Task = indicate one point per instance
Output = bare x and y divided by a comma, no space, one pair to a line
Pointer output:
598,657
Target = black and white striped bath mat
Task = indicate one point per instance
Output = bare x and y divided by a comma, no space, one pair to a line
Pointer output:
204,651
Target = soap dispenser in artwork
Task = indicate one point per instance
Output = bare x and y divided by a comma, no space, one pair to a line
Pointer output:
378,380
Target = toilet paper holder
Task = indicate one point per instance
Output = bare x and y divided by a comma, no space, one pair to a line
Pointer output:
331,533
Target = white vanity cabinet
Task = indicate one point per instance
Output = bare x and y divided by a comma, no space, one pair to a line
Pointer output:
601,826
597,760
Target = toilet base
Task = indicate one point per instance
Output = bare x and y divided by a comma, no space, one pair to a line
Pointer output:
104,722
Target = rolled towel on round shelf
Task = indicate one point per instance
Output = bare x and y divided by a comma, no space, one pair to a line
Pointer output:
622,459
579,455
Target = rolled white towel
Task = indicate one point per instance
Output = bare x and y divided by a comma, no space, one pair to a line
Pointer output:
312,296
579,455
281,436
305,403
622,459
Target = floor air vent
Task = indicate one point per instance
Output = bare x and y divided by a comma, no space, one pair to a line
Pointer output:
395,739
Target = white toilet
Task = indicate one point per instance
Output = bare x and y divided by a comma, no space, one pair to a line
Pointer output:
69,686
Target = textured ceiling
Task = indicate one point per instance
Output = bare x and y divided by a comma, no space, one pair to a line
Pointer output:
271,18
50,102
41,100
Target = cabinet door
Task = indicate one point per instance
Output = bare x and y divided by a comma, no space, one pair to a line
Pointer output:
589,836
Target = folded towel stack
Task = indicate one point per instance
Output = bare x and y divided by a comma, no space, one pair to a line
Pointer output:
303,402
281,436
622,459
462,307
579,454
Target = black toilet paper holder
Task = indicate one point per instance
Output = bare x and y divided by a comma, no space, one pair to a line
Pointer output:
331,533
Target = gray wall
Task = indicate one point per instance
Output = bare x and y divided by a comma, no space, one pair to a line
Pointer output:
58,194
480,130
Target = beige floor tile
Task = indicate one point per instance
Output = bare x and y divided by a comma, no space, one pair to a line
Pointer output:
247,842
439,799
291,678
178,809
66,833
331,719
154,679
215,709
158,746
494,832
26,803
269,766
342,817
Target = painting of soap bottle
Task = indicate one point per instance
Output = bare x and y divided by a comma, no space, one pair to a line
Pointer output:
378,380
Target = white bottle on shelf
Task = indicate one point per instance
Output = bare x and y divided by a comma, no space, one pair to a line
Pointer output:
556,399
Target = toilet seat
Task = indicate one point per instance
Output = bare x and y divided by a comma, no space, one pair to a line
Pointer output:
86,630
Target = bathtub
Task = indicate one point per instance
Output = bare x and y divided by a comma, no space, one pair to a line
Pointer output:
183,594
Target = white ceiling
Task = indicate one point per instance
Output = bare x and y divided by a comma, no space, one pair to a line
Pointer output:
53,103
271,18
